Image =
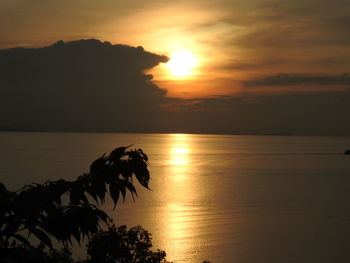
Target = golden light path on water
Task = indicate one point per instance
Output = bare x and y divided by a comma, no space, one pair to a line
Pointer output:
176,218
172,210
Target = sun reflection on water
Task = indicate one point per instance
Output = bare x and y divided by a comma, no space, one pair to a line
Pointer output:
176,226
178,155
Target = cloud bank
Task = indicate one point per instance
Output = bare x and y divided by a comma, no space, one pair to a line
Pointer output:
283,79
81,85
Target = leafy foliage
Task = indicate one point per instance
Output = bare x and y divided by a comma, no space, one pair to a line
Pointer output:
119,245
39,210
114,245
20,253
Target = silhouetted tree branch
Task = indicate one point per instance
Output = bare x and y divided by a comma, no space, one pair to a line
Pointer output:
42,210
39,209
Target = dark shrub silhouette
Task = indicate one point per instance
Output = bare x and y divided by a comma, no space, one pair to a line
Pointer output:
21,253
122,245
114,245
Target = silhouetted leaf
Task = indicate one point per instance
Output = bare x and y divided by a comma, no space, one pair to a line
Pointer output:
12,224
114,192
57,225
99,186
125,169
75,192
98,165
21,239
121,185
131,188
144,156
102,215
110,174
92,192
42,236
3,189
143,176
76,234
117,153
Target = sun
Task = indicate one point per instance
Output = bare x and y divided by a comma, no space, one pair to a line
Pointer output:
182,63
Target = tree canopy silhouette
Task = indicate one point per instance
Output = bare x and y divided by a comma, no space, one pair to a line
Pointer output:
67,210
41,209
124,246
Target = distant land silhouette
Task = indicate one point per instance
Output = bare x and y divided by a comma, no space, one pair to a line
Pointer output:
14,129
8,128
94,86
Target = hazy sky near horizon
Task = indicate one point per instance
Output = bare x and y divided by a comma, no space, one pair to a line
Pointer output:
269,46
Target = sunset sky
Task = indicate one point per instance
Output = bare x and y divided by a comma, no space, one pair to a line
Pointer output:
231,48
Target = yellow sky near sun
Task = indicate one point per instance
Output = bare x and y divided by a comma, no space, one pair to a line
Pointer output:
229,40
181,30
222,61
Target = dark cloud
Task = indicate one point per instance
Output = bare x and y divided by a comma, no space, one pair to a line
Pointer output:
255,65
283,79
82,85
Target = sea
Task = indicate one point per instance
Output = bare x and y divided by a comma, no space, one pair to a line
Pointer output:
222,198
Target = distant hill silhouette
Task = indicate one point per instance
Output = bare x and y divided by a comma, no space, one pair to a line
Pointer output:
8,128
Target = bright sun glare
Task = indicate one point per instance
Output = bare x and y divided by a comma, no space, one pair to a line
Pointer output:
182,63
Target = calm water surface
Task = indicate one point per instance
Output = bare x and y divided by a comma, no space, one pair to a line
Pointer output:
222,198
